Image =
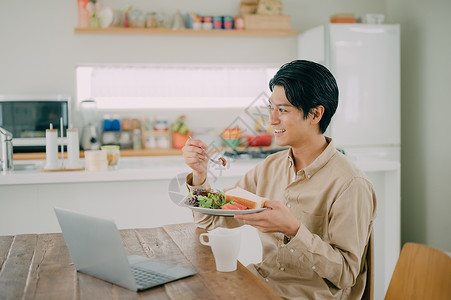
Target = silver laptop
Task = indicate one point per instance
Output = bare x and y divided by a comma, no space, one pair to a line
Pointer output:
96,248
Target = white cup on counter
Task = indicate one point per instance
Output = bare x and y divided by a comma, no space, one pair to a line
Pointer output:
225,245
113,154
96,160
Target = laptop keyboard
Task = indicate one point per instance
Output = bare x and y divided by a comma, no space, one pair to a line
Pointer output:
146,278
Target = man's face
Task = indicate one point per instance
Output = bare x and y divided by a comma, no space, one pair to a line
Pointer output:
290,128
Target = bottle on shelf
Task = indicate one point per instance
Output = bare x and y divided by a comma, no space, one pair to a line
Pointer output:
108,135
137,139
126,138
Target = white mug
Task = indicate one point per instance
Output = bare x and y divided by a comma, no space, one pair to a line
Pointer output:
225,244
96,160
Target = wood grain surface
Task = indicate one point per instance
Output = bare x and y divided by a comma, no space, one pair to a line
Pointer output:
422,272
39,267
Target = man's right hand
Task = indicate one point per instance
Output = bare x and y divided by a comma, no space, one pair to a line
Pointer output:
196,159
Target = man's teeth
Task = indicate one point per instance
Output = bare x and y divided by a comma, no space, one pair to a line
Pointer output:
279,130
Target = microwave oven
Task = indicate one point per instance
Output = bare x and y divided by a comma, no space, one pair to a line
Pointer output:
28,117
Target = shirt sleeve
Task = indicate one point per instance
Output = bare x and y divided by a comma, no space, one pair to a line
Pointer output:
351,217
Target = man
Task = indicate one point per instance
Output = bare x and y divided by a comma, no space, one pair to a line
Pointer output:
316,229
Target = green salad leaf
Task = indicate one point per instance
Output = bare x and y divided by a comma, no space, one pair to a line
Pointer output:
207,199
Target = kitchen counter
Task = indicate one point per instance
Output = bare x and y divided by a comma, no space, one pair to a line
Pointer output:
147,168
130,169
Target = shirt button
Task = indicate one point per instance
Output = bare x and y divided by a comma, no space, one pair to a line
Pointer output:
288,205
291,250
313,267
308,176
266,279
282,269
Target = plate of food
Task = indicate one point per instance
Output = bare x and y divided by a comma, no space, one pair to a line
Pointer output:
236,201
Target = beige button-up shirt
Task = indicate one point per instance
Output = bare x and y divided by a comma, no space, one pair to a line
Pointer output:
335,204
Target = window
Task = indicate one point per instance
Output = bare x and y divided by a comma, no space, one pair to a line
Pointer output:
172,86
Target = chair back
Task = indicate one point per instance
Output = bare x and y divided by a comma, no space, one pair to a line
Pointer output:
368,293
421,272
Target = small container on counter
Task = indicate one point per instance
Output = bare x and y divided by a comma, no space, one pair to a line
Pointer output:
151,20
83,14
161,125
228,22
126,124
207,23
197,25
136,139
96,160
217,22
136,123
239,23
162,141
116,123
148,124
107,123
150,142
112,155
125,140
109,137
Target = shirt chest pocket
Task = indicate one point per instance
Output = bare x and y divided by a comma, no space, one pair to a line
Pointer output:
315,224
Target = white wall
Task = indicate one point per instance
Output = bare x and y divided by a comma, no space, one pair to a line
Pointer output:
425,125
39,48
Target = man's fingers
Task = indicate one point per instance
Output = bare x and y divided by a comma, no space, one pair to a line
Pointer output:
252,217
271,203
196,143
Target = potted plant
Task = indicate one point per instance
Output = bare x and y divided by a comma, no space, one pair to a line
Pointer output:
180,132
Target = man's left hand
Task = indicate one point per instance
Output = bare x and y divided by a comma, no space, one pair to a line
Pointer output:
277,218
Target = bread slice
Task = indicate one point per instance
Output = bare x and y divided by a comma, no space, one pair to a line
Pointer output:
245,198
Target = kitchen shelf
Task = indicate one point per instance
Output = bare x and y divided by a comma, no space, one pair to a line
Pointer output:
166,31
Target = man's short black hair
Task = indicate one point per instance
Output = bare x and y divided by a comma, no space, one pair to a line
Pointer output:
308,85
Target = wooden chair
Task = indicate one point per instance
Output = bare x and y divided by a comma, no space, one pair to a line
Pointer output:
421,272
368,294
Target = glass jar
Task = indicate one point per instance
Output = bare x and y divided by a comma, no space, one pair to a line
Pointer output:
151,21
136,139
113,155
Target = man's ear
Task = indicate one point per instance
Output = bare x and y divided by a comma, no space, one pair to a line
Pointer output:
316,114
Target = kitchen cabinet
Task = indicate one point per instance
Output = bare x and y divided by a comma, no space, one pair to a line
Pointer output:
189,32
138,194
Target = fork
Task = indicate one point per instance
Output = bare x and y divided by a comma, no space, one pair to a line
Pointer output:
221,161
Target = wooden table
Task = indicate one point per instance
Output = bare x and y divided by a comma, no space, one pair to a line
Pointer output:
38,266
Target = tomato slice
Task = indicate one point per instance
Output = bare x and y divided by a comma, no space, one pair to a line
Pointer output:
235,206
229,206
240,206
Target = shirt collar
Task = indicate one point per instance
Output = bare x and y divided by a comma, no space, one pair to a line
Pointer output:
319,162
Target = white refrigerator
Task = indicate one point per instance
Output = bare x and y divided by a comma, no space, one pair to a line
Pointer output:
365,60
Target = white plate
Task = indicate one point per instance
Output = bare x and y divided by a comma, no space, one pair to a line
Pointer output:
225,212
